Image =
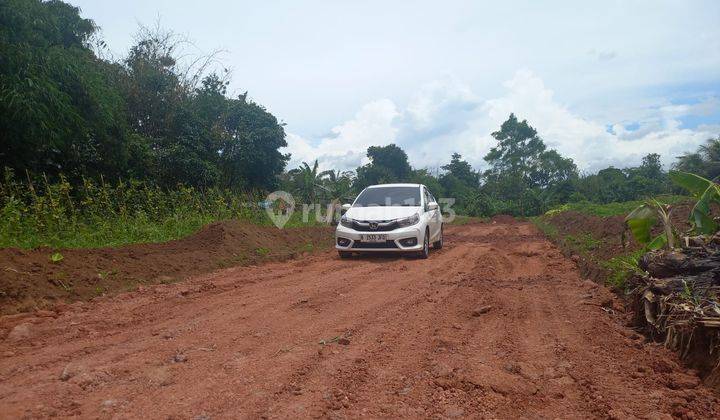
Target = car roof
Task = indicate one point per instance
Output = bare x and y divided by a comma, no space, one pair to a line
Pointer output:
395,185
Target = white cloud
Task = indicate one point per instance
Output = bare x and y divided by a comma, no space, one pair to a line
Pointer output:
436,97
446,116
345,146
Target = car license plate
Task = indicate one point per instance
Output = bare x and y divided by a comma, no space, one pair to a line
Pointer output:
373,238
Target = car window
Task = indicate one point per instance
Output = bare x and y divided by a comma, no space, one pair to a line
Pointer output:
389,196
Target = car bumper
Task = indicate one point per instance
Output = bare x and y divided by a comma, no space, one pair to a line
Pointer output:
395,240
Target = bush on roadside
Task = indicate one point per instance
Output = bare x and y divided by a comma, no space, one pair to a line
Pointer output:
93,214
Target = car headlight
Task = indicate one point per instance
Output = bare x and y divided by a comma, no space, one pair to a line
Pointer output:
408,221
346,221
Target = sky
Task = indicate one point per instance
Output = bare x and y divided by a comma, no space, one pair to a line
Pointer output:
603,82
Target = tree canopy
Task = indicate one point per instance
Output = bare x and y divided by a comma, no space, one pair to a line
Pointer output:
387,164
524,176
65,110
704,162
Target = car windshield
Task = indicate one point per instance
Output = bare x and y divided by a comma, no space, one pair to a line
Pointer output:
389,196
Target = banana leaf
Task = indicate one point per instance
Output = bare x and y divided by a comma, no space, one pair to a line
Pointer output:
701,216
706,192
659,242
640,222
695,184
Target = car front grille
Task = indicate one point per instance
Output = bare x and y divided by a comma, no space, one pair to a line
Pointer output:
374,245
380,225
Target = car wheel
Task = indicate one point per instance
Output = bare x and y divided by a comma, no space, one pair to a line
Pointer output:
439,243
426,246
344,254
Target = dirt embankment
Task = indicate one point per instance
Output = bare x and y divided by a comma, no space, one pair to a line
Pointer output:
498,324
606,234
606,231
695,343
29,280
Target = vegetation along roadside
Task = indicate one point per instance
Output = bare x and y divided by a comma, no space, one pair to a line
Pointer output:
661,255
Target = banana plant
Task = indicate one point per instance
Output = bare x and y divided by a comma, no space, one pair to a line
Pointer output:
706,193
643,218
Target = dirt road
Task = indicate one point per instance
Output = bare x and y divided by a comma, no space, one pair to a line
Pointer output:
497,324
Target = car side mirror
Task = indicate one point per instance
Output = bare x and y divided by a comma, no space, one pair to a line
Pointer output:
432,206
346,207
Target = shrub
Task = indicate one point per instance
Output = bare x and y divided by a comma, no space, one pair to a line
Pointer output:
96,213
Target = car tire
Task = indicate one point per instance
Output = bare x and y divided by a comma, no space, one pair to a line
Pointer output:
345,254
426,246
439,243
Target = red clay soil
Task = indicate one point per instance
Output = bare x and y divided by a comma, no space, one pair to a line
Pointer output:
498,324
29,280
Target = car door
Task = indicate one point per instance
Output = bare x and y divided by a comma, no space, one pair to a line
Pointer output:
433,215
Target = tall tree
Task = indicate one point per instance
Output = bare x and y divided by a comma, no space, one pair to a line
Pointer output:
337,185
250,155
387,164
705,161
60,108
518,151
462,171
426,177
690,162
523,171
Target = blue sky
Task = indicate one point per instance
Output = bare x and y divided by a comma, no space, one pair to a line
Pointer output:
603,82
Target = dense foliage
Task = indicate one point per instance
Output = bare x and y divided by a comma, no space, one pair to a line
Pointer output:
64,110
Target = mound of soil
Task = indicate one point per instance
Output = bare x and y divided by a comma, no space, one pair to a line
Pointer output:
29,280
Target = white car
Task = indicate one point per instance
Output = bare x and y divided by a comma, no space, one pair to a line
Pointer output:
391,218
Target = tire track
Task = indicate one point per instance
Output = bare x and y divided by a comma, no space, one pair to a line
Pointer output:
243,343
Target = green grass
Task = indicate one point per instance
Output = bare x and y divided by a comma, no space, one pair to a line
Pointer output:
548,229
99,214
124,230
611,209
584,243
619,269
